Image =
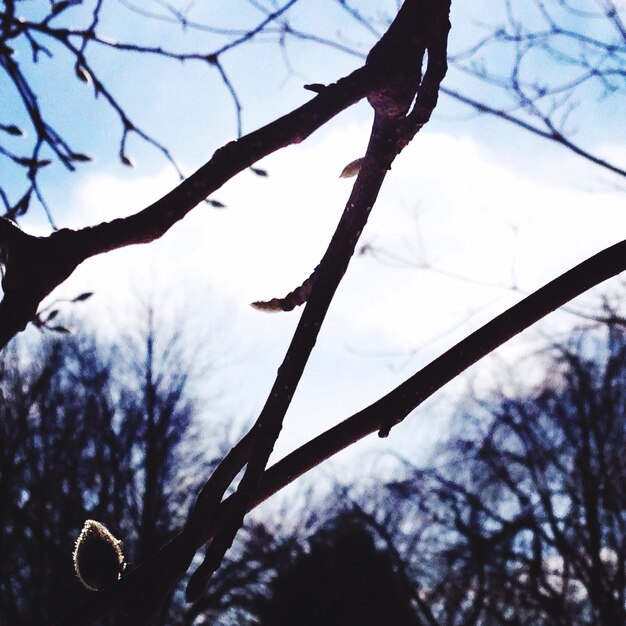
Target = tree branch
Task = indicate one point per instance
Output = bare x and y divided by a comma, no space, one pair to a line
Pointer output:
419,27
551,134
392,408
36,265
380,416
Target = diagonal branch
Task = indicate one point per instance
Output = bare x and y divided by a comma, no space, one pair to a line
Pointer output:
269,424
36,265
551,133
418,27
383,414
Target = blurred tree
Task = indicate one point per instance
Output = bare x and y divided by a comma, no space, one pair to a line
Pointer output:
232,598
526,508
86,434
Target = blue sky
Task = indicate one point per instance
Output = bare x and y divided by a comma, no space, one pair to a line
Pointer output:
471,197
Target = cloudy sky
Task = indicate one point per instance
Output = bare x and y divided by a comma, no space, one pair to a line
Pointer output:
470,208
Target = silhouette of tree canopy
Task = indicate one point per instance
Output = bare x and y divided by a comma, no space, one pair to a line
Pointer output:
84,434
337,576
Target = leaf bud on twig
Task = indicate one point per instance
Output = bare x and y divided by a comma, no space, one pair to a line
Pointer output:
98,557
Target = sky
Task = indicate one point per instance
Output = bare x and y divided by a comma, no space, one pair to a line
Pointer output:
472,207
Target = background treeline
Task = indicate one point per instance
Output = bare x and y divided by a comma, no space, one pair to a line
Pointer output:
518,519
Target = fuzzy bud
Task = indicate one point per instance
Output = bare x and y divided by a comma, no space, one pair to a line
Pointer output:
98,557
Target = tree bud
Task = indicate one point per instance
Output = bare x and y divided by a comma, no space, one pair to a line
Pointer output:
98,558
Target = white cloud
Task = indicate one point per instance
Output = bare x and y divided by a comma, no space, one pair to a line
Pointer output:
475,217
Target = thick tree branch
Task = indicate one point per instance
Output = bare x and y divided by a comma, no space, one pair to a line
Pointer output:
419,26
382,414
393,70
269,424
36,265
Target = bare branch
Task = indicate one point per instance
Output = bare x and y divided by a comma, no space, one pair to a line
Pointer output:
399,53
38,264
45,36
383,414
550,134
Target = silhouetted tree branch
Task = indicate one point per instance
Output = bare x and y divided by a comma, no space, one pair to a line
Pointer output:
550,54
44,35
541,101
403,100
